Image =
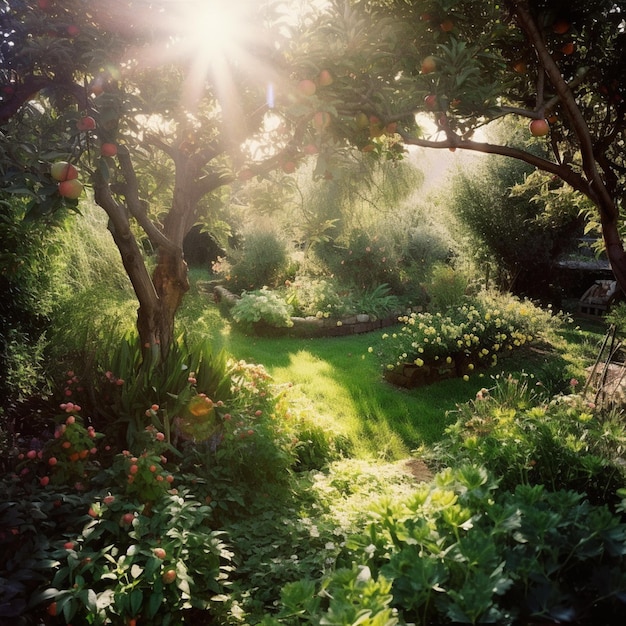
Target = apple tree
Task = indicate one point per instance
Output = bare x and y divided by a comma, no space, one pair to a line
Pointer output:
401,67
156,107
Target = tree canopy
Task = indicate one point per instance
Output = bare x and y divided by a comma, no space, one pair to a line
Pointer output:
218,92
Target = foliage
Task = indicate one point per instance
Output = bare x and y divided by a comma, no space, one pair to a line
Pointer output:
514,226
319,297
31,281
446,288
128,561
524,438
377,302
461,550
261,261
485,327
365,260
265,306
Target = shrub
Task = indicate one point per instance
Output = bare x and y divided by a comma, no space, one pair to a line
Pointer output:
125,382
319,297
446,288
365,261
262,261
262,308
126,560
460,550
478,331
560,443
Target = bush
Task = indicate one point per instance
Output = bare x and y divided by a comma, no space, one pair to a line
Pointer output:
447,287
262,308
560,443
476,332
364,261
262,261
318,297
461,550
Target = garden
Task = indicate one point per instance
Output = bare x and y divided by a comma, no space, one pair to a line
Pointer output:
265,359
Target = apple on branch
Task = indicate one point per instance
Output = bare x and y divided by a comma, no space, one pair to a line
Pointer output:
71,189
62,170
539,128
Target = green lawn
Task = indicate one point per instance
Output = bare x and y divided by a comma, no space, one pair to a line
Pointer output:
338,380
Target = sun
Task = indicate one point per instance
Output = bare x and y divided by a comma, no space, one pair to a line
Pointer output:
213,30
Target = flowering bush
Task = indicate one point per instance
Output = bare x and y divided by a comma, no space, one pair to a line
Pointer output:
481,329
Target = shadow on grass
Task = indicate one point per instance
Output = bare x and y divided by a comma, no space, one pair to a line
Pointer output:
341,383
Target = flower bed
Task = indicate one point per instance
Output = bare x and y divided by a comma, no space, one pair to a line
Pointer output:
433,346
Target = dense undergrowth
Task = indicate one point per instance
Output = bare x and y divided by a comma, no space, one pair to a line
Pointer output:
214,489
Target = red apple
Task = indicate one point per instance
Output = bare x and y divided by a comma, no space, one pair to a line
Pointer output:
159,553
325,78
430,101
310,149
429,65
568,48
71,189
519,67
539,128
62,170
307,87
128,518
108,149
321,120
447,25
73,30
289,167
169,576
86,123
560,27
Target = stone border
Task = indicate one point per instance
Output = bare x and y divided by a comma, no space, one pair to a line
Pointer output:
313,326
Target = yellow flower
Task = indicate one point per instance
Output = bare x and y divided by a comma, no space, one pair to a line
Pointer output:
466,378
449,359
339,323
370,349
419,362
470,366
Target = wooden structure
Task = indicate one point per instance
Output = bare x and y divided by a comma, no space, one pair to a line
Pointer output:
597,300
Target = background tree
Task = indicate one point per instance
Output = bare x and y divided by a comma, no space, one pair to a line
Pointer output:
559,64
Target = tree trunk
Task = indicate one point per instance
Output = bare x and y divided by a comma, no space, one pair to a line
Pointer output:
155,319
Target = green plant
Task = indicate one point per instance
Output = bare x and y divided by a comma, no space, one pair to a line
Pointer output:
377,302
129,560
263,306
319,297
133,381
364,261
474,333
446,288
261,261
525,437
461,550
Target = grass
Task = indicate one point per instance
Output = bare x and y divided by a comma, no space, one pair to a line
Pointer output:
341,384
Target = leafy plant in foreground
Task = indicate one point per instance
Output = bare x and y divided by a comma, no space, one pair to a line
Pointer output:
562,443
459,550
